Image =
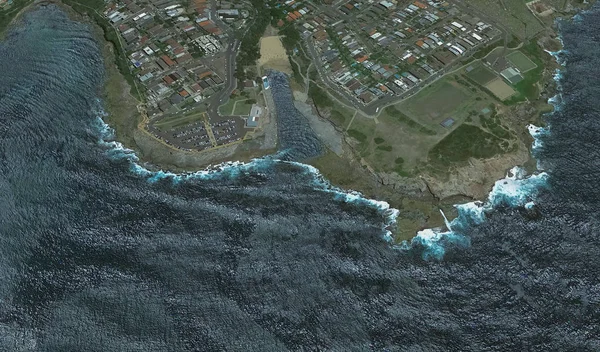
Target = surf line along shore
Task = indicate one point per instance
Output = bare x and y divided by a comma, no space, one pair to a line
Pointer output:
413,196
405,194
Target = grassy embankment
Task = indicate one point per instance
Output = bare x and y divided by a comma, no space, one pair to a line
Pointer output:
93,9
407,139
120,105
9,13
121,94
239,104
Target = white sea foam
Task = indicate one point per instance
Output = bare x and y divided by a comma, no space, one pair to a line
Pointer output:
556,101
233,169
434,242
537,133
560,55
516,190
390,214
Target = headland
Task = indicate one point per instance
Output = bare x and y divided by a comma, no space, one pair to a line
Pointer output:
421,104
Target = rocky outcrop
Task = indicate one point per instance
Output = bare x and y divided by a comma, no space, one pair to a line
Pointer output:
477,179
410,186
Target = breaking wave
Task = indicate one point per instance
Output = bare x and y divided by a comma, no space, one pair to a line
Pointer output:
232,169
517,190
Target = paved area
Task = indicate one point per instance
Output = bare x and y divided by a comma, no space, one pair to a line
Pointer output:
202,133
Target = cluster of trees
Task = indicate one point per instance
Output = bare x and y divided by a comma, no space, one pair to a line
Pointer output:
264,15
249,48
319,96
291,37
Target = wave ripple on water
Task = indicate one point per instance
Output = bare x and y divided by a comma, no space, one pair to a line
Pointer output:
267,256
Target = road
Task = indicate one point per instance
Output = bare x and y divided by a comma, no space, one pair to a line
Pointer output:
325,77
230,84
374,108
220,98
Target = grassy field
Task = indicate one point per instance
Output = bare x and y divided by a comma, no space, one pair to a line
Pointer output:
448,97
400,139
8,14
435,103
240,106
407,138
464,142
521,61
481,75
392,143
511,14
500,89
178,121
403,119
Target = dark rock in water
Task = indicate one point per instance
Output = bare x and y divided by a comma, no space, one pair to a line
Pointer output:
531,212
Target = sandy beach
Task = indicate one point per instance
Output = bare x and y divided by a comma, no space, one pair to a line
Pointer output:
273,55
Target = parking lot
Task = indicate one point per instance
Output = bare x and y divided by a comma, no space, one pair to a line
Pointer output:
200,134
228,130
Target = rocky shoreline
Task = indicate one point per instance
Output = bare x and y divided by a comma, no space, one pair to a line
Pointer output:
466,183
418,198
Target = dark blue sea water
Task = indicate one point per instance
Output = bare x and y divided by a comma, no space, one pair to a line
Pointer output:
99,254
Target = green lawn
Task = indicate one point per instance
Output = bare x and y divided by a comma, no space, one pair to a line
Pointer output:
521,61
443,99
227,108
481,75
171,122
437,100
403,119
464,142
242,108
359,136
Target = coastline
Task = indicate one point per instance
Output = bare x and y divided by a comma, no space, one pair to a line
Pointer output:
418,199
464,185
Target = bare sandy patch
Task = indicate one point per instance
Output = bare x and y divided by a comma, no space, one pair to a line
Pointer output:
500,89
273,55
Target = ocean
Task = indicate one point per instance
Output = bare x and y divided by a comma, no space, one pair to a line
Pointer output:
98,253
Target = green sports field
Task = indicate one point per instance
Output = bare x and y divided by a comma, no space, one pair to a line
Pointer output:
481,75
521,61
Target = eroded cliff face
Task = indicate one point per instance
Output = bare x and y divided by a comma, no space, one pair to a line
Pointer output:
410,186
477,179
